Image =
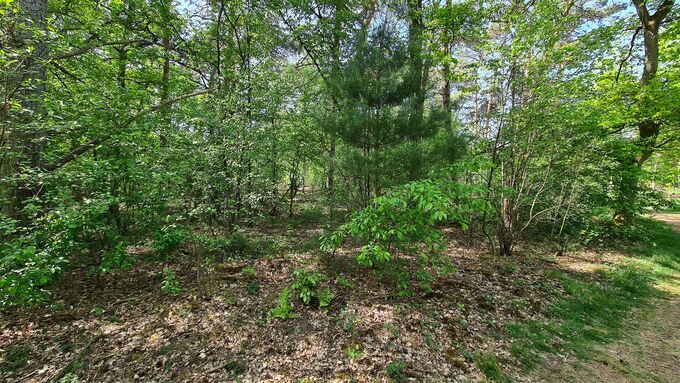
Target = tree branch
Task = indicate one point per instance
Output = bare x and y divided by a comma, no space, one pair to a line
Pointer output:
630,52
75,153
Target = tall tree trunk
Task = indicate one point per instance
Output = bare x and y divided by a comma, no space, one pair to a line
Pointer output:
648,128
27,84
337,30
418,68
446,77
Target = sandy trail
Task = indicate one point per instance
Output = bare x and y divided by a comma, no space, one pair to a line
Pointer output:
650,353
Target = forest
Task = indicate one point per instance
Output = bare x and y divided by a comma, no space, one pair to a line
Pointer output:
339,191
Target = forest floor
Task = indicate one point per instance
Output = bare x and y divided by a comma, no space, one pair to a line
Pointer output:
533,317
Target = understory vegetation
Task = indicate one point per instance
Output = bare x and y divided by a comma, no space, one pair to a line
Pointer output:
337,190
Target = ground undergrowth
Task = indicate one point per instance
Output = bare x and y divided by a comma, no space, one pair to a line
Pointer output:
179,319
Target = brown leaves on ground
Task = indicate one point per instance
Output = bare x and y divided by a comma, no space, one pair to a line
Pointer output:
225,333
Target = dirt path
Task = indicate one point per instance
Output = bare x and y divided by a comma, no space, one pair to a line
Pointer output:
670,219
649,354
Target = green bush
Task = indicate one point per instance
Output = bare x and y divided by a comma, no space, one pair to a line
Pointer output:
116,257
25,271
169,239
406,219
306,287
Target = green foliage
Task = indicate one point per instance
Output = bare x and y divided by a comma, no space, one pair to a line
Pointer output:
169,239
396,371
344,282
25,271
354,351
489,366
16,357
325,297
406,219
116,258
70,378
170,285
283,309
306,287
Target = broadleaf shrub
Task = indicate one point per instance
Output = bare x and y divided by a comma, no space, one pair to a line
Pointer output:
306,287
169,239
407,219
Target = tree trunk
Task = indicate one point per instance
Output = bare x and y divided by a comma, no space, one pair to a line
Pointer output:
28,84
418,70
648,128
446,77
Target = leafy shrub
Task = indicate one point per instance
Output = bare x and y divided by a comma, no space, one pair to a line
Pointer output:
24,272
306,286
169,239
116,257
396,371
170,285
407,219
32,257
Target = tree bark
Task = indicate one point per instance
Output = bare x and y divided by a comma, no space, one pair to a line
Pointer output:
649,129
26,85
418,68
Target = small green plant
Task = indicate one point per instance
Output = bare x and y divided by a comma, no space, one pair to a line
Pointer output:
396,371
488,365
344,282
306,286
351,324
283,309
249,271
229,299
116,258
406,219
325,296
16,357
253,288
171,285
97,311
70,378
354,351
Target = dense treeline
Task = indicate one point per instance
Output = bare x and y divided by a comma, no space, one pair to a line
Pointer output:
127,120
